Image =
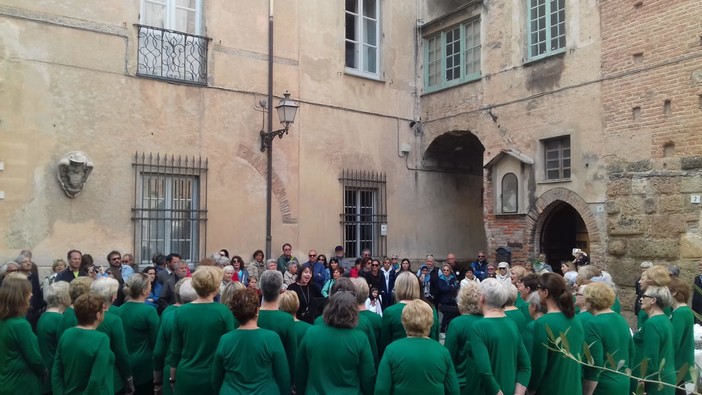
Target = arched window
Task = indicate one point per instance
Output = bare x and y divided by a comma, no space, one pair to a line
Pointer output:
510,196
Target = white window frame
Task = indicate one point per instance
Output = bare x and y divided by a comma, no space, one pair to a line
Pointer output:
551,18
361,66
435,57
170,20
503,189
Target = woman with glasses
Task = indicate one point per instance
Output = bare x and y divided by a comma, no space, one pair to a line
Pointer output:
551,373
239,271
446,298
606,333
659,276
654,342
683,334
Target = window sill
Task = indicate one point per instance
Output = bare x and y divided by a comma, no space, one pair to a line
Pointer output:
564,180
560,54
510,214
362,74
428,91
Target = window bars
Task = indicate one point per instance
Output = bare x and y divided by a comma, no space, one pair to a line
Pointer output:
170,206
364,210
171,55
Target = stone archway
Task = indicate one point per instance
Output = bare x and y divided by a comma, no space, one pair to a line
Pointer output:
554,200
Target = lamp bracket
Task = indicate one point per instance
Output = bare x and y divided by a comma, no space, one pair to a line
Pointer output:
267,137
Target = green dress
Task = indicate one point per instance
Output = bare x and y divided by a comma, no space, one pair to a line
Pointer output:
300,329
458,345
585,318
21,364
376,322
523,306
654,342
84,364
528,336
113,327
683,339
334,361
392,328
192,352
642,317
162,352
283,324
405,358
608,334
518,318
366,326
68,320
501,360
551,373
140,322
250,362
617,306
47,334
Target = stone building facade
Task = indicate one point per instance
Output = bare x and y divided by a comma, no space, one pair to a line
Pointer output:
532,126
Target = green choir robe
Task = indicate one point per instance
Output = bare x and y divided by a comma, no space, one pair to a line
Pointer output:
251,362
415,365
21,364
84,364
551,374
608,333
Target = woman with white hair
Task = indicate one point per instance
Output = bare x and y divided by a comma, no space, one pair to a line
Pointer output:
111,325
511,310
140,322
458,334
57,299
184,293
654,341
501,360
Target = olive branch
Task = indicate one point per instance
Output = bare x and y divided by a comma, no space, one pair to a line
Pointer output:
560,344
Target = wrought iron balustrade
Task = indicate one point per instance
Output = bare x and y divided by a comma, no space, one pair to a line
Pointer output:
172,55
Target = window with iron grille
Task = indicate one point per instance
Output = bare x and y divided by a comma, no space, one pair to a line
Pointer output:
452,56
546,28
557,158
170,206
171,45
363,37
364,212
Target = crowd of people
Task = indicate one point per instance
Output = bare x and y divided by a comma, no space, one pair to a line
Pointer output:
338,326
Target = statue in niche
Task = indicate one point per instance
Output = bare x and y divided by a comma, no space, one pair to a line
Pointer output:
73,171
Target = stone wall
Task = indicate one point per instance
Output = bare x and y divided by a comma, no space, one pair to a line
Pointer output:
650,216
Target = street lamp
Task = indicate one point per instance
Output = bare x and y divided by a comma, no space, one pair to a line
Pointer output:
287,109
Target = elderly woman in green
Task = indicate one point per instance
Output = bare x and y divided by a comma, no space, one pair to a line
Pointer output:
21,365
57,299
140,322
654,342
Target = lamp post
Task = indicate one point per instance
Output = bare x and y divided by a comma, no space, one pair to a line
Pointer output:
287,109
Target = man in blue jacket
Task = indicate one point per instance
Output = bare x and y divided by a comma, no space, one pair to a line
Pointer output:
480,266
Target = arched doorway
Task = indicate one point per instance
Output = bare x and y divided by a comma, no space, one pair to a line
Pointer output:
563,229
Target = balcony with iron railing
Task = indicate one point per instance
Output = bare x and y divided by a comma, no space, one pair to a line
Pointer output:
172,55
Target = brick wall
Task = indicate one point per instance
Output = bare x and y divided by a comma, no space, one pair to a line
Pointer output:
652,70
505,230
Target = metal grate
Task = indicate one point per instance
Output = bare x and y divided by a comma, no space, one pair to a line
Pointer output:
170,206
365,210
171,55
